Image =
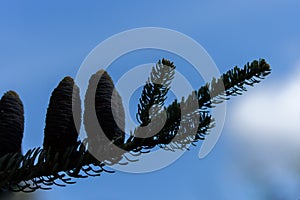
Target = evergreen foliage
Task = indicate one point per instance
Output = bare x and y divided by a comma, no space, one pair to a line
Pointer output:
63,157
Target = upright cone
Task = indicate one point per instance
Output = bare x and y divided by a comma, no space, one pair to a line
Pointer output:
63,116
104,116
11,123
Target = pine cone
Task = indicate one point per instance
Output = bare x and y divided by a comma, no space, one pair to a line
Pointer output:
106,106
60,130
11,123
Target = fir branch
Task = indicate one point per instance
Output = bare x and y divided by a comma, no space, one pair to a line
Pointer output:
155,90
38,170
231,83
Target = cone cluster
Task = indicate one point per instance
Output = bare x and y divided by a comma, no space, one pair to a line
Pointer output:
103,108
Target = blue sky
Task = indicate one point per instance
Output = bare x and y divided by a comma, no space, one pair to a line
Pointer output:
41,42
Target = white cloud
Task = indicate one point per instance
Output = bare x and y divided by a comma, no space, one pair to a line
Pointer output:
264,126
270,112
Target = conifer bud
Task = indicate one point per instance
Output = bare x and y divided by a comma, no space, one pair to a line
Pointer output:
11,123
104,116
63,116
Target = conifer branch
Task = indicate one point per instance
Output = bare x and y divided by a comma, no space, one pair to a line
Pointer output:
57,164
231,83
155,90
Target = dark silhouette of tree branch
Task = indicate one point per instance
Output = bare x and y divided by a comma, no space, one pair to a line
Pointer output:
63,157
